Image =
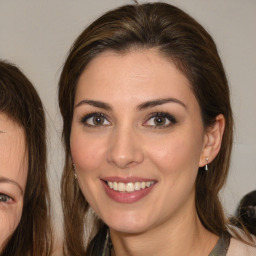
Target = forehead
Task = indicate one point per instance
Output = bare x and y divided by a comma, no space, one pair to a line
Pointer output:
13,153
135,74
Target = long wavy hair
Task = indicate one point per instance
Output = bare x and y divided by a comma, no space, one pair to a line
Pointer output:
21,103
182,40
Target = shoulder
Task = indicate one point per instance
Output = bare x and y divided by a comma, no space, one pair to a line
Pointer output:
238,248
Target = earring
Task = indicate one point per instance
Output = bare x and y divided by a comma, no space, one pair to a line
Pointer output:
206,166
74,168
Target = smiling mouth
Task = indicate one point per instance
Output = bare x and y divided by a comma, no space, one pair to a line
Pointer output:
130,186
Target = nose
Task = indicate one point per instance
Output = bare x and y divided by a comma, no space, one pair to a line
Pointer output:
125,149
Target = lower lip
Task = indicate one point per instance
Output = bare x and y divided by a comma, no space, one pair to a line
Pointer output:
126,197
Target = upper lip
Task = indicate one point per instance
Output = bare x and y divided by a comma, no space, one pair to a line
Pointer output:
126,179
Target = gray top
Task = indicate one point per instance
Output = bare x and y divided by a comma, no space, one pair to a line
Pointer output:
221,248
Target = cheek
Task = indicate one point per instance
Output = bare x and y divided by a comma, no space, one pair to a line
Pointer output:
87,152
9,221
175,155
176,161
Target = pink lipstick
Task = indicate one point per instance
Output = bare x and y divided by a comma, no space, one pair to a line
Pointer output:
127,190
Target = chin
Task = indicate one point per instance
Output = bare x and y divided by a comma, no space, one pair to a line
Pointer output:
127,223
128,229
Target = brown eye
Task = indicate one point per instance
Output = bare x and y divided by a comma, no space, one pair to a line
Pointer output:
95,119
98,120
160,121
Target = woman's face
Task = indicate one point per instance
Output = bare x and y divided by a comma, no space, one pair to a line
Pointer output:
13,176
137,140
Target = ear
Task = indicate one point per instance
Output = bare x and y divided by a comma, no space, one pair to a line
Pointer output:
212,141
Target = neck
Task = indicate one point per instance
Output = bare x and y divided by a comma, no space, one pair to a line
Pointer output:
183,236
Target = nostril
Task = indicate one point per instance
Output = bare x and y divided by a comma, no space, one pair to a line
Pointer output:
124,149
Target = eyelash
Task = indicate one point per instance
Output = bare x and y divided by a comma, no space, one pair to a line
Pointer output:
84,119
172,120
5,199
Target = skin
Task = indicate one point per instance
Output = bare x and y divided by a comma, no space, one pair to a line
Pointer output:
13,176
128,143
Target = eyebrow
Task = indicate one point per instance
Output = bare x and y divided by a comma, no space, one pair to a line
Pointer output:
94,103
157,102
142,106
5,180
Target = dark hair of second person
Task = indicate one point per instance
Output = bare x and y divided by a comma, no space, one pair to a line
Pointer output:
20,103
246,211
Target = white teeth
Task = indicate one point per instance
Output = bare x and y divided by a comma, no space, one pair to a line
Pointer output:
121,187
115,187
110,184
129,187
137,186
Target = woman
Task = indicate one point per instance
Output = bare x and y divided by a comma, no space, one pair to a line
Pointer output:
148,135
24,199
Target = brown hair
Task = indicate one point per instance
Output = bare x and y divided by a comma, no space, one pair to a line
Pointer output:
185,42
20,102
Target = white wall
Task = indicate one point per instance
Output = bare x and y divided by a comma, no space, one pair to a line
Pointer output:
36,35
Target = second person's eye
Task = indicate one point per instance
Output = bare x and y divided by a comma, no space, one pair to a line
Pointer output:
4,198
